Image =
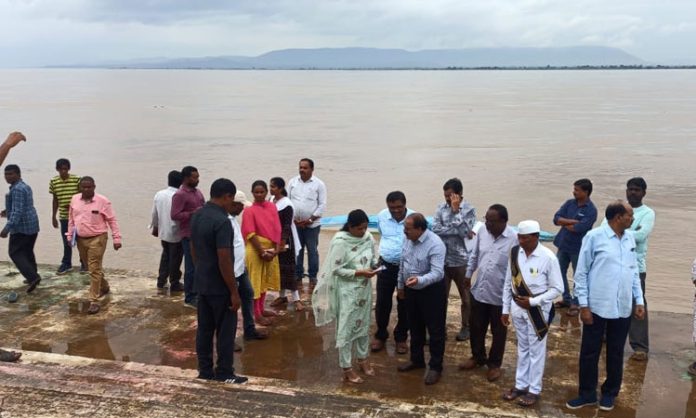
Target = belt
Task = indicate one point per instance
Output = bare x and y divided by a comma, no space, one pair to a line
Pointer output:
388,264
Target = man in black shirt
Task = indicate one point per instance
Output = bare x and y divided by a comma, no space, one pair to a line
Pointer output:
215,284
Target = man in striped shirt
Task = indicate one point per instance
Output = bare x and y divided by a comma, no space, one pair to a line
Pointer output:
63,187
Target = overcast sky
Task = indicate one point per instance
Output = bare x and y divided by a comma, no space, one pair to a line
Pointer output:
51,32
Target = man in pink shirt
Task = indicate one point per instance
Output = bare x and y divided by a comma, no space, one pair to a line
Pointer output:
90,218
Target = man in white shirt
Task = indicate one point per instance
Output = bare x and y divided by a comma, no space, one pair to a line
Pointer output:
308,196
246,292
167,231
533,280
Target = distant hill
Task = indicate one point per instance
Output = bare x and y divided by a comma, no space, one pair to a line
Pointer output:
375,58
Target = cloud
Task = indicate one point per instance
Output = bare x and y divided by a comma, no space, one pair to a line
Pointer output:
34,31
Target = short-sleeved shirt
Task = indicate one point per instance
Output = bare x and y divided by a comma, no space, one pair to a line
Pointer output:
64,190
210,230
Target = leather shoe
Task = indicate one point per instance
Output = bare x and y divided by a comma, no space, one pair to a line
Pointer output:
410,366
255,336
432,377
401,347
494,374
176,287
470,364
376,345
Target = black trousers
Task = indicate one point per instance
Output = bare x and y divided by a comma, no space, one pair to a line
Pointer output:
386,283
170,263
427,308
21,251
616,331
483,314
215,322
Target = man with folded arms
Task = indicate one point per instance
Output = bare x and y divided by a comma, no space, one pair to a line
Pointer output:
606,283
421,284
490,257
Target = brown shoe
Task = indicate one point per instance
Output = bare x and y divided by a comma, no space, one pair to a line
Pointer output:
377,345
494,374
470,364
639,356
401,347
93,308
278,302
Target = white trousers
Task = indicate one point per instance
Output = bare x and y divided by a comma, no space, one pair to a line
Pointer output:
531,354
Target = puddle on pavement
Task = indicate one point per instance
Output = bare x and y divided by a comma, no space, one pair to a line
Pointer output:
139,324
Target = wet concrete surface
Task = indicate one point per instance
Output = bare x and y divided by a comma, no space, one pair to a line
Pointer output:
139,325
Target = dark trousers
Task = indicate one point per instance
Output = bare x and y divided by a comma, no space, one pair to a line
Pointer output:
386,283
616,332
246,294
483,314
21,251
309,239
427,309
67,248
189,270
170,263
215,321
638,335
565,259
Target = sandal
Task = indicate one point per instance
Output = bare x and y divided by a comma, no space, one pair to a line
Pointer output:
93,308
366,367
280,301
528,399
299,306
263,321
269,314
349,376
9,356
514,393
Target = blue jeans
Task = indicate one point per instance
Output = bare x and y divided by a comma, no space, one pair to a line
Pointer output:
616,331
564,260
246,294
189,270
309,238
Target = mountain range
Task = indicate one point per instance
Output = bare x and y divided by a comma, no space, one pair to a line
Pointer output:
376,58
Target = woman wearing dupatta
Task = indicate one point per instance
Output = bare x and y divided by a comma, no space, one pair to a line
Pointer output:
289,244
261,231
344,293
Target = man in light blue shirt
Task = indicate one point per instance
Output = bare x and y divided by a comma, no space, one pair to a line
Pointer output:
606,285
421,284
642,226
391,228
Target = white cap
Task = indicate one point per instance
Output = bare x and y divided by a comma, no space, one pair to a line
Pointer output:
528,227
240,197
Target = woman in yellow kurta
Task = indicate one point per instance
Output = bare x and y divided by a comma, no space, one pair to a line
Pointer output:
261,229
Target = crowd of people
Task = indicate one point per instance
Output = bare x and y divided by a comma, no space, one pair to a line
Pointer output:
235,251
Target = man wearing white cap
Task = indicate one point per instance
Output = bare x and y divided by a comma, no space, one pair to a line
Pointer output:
246,292
533,280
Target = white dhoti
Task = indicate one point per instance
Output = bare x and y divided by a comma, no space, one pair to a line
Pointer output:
531,353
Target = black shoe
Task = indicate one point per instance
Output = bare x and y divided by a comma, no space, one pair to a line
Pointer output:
432,377
236,380
33,285
176,287
410,366
255,336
